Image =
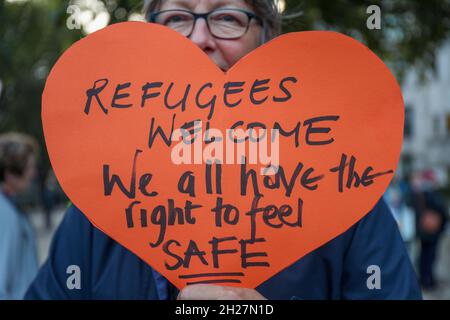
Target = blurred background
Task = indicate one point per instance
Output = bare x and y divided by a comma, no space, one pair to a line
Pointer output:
411,36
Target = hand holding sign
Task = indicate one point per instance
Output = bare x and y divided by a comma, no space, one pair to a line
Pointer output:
162,150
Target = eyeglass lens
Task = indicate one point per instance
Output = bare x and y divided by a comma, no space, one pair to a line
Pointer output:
222,23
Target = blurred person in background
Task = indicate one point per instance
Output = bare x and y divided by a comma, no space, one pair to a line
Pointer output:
398,198
18,256
431,218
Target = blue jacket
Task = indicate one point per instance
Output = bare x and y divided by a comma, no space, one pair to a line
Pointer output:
337,270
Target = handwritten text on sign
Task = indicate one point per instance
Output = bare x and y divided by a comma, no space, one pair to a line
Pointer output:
221,178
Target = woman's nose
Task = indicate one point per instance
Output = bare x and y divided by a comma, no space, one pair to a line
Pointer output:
201,36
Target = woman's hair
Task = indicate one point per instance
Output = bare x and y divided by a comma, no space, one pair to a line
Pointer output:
267,10
15,151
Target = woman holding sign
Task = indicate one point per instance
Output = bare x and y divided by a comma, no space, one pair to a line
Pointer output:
368,261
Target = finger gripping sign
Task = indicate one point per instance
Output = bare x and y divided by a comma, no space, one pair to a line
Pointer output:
221,177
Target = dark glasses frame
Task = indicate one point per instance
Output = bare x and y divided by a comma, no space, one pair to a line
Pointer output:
250,15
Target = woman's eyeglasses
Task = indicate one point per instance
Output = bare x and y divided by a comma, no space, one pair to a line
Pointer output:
222,23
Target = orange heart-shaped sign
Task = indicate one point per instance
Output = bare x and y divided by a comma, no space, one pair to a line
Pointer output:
221,177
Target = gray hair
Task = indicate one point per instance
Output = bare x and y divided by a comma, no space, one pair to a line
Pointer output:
267,10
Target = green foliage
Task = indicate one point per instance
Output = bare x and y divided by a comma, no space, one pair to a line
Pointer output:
33,35
411,30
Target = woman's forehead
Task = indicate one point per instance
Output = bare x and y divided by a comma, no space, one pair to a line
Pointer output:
203,4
